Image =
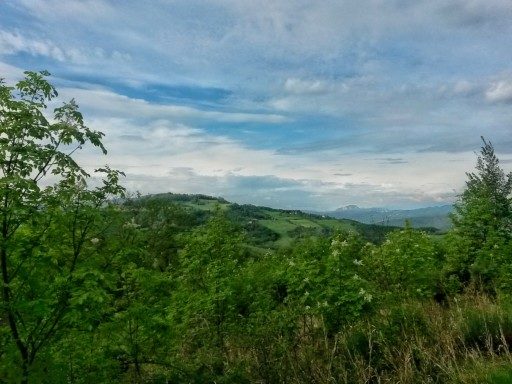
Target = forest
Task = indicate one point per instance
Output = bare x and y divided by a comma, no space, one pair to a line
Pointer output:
103,286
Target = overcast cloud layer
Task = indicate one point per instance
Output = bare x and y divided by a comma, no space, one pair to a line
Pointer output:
291,104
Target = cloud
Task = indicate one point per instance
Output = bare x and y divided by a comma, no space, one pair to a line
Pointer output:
10,73
465,88
500,91
106,102
12,43
311,87
477,13
291,92
283,193
81,10
165,157
391,160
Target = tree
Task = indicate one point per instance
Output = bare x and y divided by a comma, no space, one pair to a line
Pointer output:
482,221
205,298
47,215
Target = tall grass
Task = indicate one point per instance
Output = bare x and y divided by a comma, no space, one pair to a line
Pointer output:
465,341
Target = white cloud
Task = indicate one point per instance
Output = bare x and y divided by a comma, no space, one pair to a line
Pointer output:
500,91
78,10
464,87
9,73
106,102
12,43
163,156
310,87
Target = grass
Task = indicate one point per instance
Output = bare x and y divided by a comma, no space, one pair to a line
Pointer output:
407,343
284,224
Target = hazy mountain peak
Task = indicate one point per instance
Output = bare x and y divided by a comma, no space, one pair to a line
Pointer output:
348,207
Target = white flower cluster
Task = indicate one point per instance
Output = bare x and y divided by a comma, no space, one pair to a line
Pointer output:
366,296
131,224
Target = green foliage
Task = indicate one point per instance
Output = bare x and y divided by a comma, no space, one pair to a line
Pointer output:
482,223
404,265
323,279
260,235
487,328
483,209
267,227
500,376
206,298
46,226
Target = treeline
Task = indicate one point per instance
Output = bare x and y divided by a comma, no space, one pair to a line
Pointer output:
145,291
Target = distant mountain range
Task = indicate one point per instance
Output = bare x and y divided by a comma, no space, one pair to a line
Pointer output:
436,217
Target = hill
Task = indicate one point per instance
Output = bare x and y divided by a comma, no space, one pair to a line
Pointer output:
268,227
435,217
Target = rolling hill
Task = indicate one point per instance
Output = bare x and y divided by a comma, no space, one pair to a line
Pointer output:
268,227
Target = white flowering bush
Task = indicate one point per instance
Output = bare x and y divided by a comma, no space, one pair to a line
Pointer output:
347,294
404,265
330,286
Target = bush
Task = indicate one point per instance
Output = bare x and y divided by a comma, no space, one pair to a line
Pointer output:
405,265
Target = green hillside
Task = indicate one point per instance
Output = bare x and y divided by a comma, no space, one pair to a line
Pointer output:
267,227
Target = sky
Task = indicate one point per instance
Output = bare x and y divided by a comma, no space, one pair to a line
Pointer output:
291,104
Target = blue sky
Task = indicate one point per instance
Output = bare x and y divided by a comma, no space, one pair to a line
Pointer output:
291,104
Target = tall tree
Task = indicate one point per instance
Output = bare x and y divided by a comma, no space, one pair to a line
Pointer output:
483,213
47,213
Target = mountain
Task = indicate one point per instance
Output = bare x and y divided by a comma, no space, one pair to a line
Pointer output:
435,217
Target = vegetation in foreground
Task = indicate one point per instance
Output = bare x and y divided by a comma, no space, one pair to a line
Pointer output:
151,291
